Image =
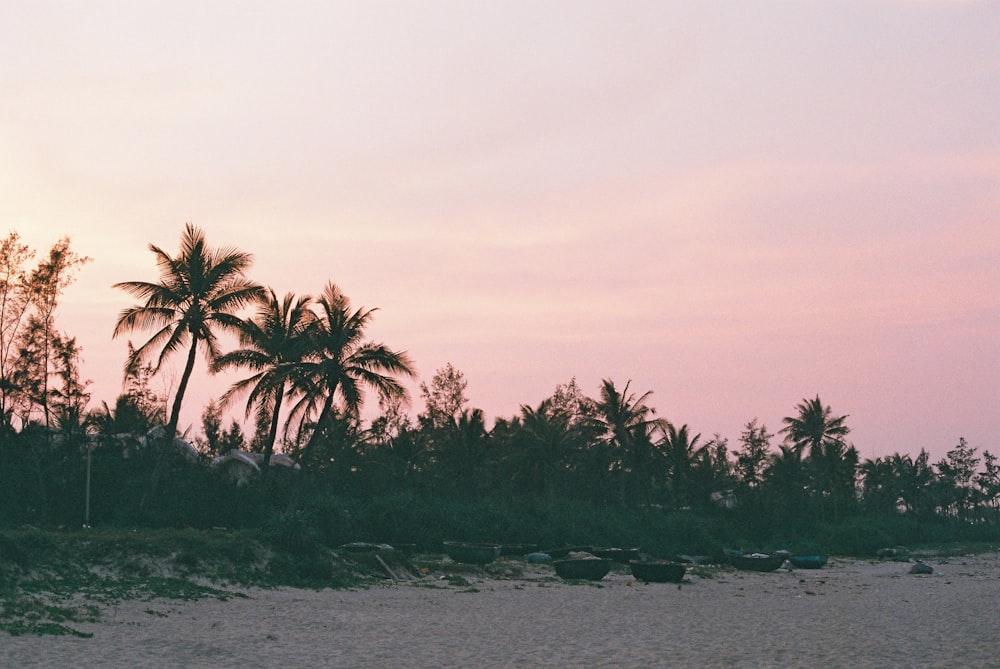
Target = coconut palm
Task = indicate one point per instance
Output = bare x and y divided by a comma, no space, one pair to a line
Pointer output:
785,484
833,469
629,423
199,291
817,437
682,451
341,364
271,345
544,443
460,451
814,428
915,477
878,485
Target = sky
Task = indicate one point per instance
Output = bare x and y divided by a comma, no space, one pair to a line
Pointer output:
735,205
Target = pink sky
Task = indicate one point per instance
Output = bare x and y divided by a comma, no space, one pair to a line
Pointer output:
735,205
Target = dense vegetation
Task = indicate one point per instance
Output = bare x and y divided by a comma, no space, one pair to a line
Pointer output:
574,469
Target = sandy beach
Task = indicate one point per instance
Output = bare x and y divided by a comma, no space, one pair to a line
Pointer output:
851,613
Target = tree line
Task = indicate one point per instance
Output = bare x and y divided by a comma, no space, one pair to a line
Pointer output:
306,367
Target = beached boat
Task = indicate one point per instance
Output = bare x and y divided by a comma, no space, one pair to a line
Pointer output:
756,561
584,568
657,571
558,553
812,561
622,555
471,553
517,549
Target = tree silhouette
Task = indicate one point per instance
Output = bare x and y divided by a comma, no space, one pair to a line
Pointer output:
629,423
751,459
817,436
199,291
957,495
444,399
45,285
813,427
784,482
460,453
682,451
542,447
29,342
272,344
340,364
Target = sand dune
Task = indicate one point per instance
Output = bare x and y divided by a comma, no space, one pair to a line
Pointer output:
851,613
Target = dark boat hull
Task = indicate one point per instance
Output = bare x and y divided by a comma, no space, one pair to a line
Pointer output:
750,563
471,553
657,571
622,555
559,553
518,549
584,569
807,561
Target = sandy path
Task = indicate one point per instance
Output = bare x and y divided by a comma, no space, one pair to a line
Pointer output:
849,614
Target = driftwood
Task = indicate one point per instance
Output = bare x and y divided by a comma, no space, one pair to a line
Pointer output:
389,571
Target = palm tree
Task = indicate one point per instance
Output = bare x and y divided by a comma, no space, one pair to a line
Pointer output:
543,447
814,427
340,364
878,485
628,422
784,486
834,472
914,477
681,450
199,291
460,453
271,345
832,462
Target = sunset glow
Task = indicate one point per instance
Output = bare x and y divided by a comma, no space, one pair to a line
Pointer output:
734,205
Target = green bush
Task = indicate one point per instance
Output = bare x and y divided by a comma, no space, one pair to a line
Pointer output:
294,532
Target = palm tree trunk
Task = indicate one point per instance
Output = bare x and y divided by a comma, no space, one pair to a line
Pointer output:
165,446
175,411
306,452
324,416
272,432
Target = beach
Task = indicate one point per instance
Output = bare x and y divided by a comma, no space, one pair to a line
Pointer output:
851,613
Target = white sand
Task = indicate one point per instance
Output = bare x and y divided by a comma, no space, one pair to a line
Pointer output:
849,614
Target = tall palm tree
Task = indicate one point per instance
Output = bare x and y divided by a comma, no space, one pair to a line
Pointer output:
814,428
199,292
544,444
460,451
628,421
341,364
877,485
831,463
271,345
784,485
682,451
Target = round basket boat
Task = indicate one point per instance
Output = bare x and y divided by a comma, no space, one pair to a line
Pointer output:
559,553
807,561
622,555
467,553
518,549
582,569
657,571
757,562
